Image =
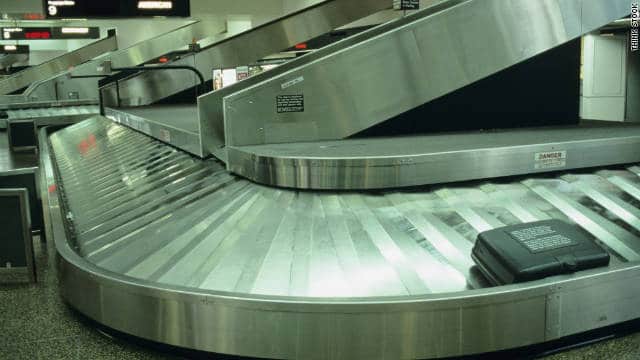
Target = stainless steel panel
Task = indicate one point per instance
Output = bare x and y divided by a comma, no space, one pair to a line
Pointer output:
155,47
55,66
15,163
44,104
424,56
210,106
177,250
57,85
148,87
6,100
177,125
586,305
7,60
231,49
55,89
432,159
58,115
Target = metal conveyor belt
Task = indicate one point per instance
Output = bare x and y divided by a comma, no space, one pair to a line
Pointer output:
175,249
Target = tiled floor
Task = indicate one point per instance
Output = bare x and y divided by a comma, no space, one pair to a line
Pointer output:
36,324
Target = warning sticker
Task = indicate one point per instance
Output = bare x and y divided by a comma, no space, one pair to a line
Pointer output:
550,160
165,135
541,238
290,103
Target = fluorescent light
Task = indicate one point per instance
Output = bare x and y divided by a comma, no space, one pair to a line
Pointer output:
75,30
10,48
154,5
61,2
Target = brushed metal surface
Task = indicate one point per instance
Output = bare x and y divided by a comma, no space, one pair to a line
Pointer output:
56,115
42,104
231,49
15,163
176,249
155,47
419,58
432,159
55,66
176,125
57,85
7,60
211,107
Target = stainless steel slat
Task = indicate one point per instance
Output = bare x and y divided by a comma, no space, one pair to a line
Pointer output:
187,222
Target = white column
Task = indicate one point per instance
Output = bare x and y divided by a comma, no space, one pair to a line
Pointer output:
604,75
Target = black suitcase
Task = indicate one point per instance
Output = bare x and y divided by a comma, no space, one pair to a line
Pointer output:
536,250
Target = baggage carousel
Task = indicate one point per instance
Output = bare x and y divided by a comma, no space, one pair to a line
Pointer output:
301,239
168,247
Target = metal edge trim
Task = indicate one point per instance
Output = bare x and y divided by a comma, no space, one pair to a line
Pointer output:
193,143
383,171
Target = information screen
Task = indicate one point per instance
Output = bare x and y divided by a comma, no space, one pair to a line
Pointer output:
87,9
14,49
49,33
32,33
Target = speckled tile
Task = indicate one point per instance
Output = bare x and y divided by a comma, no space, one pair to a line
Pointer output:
35,315
99,346
18,351
625,348
62,349
53,349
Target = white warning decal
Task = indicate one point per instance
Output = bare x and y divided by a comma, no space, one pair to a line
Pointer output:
550,160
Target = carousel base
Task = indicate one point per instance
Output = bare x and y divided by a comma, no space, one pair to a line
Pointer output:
161,245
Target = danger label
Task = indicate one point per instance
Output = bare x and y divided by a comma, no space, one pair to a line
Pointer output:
290,103
165,135
550,159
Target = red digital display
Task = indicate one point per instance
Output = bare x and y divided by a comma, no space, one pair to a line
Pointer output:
33,16
32,35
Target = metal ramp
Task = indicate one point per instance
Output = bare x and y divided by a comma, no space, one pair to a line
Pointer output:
61,80
231,50
24,78
8,60
429,54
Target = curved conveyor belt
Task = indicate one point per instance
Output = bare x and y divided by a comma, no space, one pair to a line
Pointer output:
175,249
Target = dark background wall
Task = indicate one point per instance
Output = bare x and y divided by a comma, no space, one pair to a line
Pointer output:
544,90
